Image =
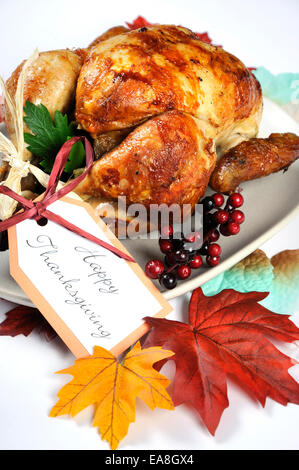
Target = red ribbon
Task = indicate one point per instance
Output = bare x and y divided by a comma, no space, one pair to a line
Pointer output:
38,209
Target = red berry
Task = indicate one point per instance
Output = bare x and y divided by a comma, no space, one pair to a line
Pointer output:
237,216
221,216
165,245
195,262
224,231
167,231
235,200
154,268
218,199
212,260
214,249
233,228
214,236
194,238
183,271
191,237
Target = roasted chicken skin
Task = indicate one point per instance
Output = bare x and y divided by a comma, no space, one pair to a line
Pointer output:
110,33
166,76
133,76
253,159
165,160
51,81
158,103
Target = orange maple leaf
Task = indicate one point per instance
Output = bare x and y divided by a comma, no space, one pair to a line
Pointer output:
113,387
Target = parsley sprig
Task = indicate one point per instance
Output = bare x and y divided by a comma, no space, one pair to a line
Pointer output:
48,137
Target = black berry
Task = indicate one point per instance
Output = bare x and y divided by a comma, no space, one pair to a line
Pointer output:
204,249
170,259
181,256
168,280
214,236
208,204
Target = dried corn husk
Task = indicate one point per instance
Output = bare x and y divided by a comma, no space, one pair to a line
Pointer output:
16,155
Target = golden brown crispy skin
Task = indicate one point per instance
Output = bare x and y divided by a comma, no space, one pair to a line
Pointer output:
165,160
139,74
51,80
253,159
130,78
177,97
103,143
110,33
84,52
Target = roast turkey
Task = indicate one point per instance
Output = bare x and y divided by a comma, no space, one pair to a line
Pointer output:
161,106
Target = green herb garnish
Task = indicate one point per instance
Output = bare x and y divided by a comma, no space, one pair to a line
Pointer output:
48,137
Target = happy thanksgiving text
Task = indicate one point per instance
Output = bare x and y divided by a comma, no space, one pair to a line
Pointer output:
49,252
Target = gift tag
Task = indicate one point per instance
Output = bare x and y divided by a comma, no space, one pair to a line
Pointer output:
89,295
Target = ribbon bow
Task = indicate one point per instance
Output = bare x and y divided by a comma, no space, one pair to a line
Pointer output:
38,209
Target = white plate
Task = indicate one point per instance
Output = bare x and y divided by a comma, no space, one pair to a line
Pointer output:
270,203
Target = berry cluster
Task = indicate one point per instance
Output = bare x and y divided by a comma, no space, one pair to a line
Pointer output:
184,252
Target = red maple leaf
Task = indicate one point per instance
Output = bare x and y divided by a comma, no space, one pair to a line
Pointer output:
23,320
204,37
227,334
139,22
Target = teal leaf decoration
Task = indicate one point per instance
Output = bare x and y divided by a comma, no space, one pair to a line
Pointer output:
253,273
284,293
278,276
282,88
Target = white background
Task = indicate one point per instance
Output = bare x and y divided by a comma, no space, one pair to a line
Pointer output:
263,32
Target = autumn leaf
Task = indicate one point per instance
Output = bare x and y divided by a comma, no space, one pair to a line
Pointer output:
284,296
204,37
113,387
23,320
253,273
227,334
139,22
279,276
